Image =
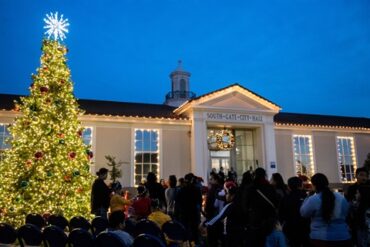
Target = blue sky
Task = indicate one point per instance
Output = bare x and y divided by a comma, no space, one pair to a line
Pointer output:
308,56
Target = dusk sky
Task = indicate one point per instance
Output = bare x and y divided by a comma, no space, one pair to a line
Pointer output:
308,56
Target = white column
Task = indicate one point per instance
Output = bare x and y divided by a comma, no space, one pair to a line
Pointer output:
270,147
199,151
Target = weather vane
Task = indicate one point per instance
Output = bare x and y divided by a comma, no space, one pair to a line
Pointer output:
56,27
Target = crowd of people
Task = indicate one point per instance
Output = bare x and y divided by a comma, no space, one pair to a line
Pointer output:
256,212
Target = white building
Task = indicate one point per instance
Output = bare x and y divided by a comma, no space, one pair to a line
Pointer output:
229,127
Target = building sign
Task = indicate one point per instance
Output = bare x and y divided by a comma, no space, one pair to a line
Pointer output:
234,117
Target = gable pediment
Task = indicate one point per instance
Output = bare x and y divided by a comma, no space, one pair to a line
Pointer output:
234,100
234,97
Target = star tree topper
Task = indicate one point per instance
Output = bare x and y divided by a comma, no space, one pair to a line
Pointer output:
56,27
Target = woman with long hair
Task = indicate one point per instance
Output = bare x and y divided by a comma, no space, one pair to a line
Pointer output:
328,211
280,187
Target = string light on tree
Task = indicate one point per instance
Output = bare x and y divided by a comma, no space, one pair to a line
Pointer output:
46,170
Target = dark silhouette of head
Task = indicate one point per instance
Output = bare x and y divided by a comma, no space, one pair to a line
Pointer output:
294,183
151,178
117,219
247,179
278,181
172,181
141,191
259,175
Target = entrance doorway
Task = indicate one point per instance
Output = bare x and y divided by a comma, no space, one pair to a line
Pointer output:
245,151
241,157
220,159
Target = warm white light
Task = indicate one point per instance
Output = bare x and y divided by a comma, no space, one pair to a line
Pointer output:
55,26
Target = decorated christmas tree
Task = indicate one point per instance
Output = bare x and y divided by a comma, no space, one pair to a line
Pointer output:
46,170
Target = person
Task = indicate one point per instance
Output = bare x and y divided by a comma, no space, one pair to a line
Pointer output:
163,183
221,174
116,224
358,195
117,202
157,216
141,203
231,175
328,211
155,189
100,194
170,194
229,216
187,207
277,182
295,227
211,210
259,209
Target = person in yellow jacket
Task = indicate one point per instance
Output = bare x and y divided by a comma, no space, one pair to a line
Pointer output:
117,202
157,216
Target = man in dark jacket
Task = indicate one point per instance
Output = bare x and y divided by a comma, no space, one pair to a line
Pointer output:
260,210
187,207
155,189
100,194
295,227
358,195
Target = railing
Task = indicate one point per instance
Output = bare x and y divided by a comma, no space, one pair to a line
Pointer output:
180,95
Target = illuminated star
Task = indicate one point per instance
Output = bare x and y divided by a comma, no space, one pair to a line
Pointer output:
56,27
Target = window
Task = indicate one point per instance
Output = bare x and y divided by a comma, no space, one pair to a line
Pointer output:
182,85
4,135
303,156
146,153
87,136
346,158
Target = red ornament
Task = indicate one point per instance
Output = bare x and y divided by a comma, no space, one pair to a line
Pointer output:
61,135
67,178
72,155
38,155
79,190
90,155
44,89
79,133
62,81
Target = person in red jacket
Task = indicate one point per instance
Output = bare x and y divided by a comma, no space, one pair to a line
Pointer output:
141,203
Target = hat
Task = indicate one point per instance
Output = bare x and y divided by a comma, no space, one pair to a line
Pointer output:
230,187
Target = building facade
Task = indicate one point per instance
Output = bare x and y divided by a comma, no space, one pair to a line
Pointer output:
232,127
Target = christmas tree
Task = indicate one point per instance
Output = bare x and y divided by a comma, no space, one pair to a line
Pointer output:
46,170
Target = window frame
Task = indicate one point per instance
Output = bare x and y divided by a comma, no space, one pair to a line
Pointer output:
310,155
353,157
135,152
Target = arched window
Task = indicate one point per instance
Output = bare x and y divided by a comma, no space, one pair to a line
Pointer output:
182,85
